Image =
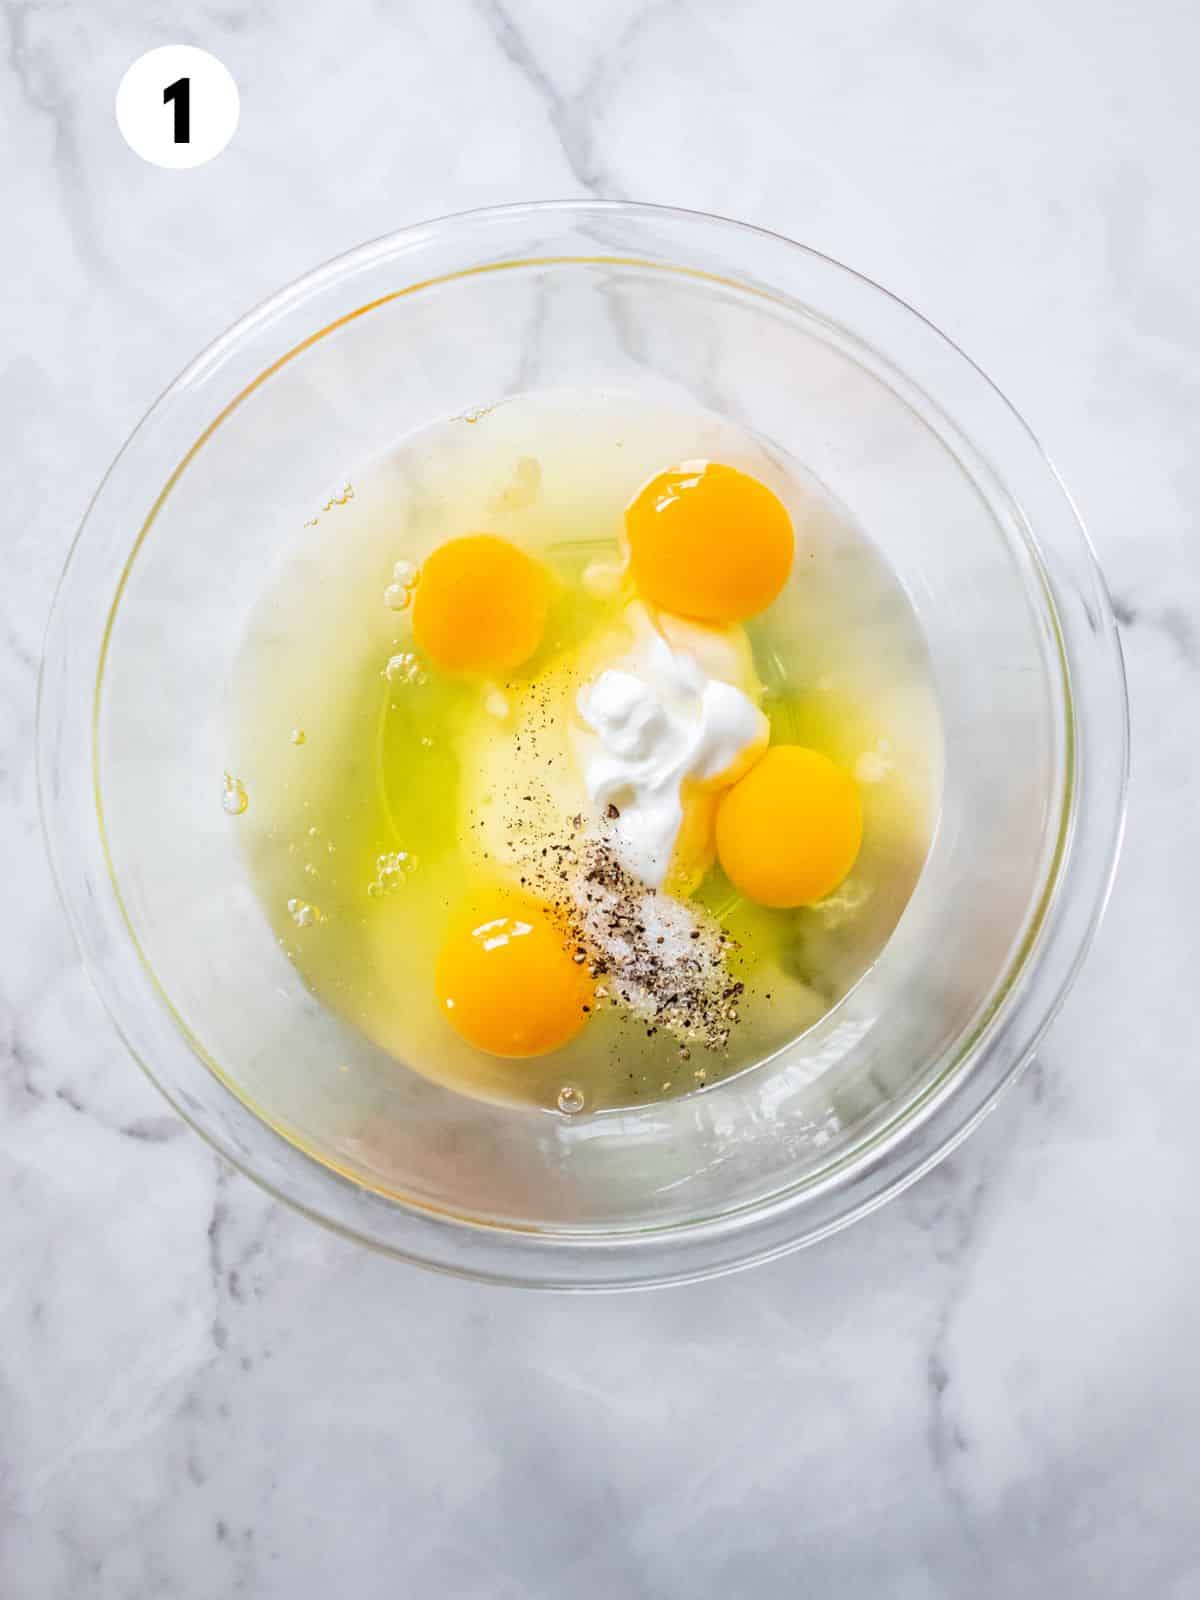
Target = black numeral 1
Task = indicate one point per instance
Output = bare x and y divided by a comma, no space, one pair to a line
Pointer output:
180,93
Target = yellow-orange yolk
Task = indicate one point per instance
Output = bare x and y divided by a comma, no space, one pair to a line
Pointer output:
790,830
709,542
508,981
480,606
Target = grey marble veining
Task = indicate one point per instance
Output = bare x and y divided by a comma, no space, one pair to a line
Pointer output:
990,1388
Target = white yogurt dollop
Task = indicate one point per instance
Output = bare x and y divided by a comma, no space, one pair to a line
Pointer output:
672,712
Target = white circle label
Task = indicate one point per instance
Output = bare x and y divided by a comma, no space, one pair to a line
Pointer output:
177,106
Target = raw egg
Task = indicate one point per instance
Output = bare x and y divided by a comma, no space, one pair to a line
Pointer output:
480,606
790,830
508,981
709,542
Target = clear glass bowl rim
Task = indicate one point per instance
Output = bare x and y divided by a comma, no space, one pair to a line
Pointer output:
924,1132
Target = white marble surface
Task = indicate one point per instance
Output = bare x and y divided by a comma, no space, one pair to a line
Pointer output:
990,1388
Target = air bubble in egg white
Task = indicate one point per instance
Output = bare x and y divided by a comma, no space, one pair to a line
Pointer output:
234,798
302,914
405,668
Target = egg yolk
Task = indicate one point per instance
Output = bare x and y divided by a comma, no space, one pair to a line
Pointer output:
480,606
508,982
790,830
709,542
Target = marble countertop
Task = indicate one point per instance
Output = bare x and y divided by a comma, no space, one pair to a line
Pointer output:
991,1387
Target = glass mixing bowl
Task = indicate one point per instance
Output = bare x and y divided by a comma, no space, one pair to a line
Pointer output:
443,319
